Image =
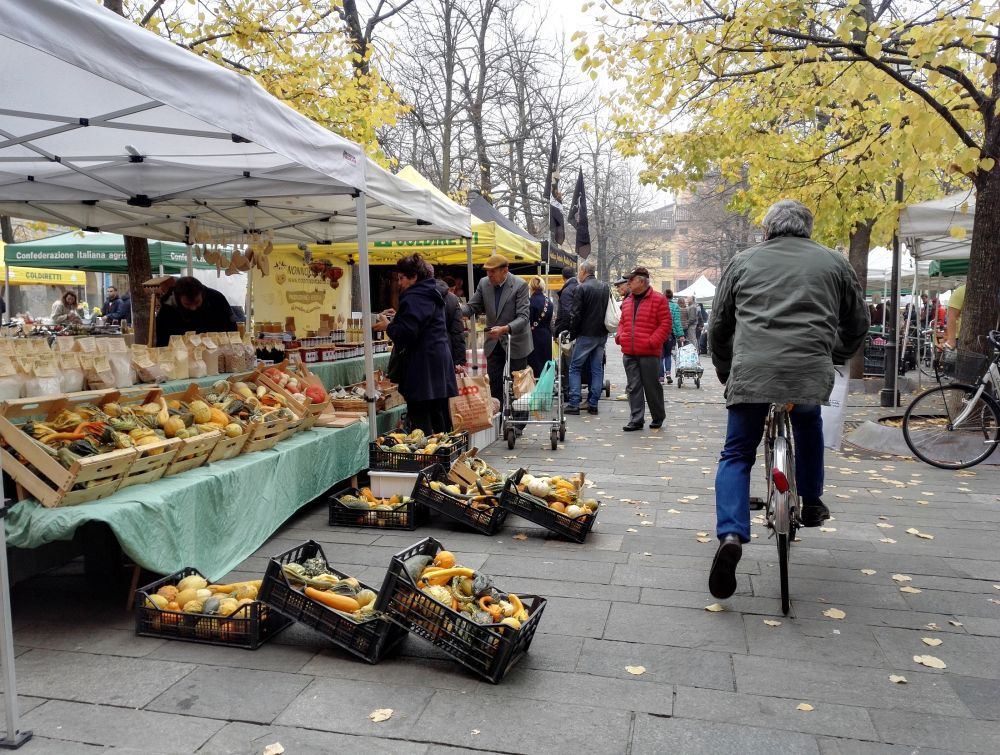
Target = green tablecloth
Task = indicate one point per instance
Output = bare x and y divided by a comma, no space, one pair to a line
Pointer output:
344,372
210,518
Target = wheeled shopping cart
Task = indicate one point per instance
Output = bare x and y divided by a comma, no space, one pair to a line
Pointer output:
536,408
689,365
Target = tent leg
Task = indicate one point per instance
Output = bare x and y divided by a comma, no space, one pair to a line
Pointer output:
366,313
6,290
15,737
475,338
190,260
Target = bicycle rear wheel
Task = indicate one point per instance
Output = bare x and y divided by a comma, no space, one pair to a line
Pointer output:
784,547
932,430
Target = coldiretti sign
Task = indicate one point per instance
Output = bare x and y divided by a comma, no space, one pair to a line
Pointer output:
40,276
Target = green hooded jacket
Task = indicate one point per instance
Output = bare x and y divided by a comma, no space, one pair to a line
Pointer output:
785,311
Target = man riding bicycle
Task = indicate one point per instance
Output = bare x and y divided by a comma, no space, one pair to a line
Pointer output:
785,311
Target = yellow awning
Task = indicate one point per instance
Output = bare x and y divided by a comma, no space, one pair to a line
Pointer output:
40,276
488,239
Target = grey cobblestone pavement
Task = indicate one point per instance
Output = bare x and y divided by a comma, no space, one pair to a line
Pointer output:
635,594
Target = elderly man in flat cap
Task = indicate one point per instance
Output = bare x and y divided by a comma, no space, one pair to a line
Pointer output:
504,299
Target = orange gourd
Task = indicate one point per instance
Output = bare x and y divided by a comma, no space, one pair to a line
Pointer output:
333,600
444,559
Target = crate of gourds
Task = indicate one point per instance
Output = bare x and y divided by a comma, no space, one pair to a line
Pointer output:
459,610
352,507
185,606
411,452
477,505
554,502
271,415
301,584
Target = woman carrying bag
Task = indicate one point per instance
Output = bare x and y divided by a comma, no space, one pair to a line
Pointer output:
541,326
423,353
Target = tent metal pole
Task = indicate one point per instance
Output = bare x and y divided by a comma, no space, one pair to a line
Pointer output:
475,336
361,214
15,737
190,259
6,289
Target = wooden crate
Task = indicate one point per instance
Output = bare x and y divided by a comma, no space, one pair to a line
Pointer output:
40,476
152,461
193,452
270,432
229,448
266,434
309,411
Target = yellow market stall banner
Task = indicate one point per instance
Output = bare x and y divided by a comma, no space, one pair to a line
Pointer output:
39,276
293,289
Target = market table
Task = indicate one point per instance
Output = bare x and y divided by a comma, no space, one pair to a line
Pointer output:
210,518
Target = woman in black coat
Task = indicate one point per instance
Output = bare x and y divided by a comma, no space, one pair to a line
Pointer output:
541,325
419,327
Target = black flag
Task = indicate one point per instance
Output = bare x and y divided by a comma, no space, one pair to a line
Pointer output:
578,217
553,197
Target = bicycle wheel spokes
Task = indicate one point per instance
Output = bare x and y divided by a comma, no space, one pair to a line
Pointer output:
948,427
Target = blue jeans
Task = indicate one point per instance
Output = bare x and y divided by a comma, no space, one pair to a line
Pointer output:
666,361
591,347
743,434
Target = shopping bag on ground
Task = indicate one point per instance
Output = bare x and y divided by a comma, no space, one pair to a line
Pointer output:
612,314
687,357
524,381
833,415
472,408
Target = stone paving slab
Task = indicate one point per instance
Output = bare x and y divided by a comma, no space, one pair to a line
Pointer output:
713,682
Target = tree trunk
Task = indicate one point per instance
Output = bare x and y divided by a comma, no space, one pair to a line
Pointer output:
981,309
136,255
860,244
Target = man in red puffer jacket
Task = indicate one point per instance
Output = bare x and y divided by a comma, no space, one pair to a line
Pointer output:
644,326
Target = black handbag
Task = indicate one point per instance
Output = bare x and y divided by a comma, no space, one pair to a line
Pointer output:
397,364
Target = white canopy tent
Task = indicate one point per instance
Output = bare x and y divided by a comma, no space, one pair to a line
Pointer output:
926,227
107,127
703,290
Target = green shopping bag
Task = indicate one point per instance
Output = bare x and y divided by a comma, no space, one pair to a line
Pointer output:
541,397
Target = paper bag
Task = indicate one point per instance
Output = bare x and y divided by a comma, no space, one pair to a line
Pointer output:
210,354
11,381
118,357
833,415
97,372
524,382
147,369
44,380
70,372
471,409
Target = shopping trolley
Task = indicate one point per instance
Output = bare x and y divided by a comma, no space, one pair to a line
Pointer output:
516,413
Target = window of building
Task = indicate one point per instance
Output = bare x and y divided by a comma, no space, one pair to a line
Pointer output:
667,259
682,259
664,286
682,283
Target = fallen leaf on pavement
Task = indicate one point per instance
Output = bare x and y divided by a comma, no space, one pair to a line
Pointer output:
673,511
703,539
955,623
885,525
910,590
715,608
925,536
636,670
701,534
930,661
827,529
380,714
273,749
475,731
631,529
520,536
772,623
897,679
902,578
869,572
804,706
887,540
834,613
931,641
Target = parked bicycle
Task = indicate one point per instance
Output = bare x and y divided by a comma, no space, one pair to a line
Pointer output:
956,425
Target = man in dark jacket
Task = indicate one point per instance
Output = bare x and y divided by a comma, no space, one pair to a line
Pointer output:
644,327
785,311
561,324
114,307
455,323
586,326
192,306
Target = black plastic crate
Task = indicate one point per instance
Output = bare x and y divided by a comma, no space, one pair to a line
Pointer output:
341,515
513,501
248,627
369,639
487,521
393,461
489,650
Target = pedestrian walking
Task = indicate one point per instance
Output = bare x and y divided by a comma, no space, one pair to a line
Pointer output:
455,324
676,336
643,330
503,298
590,304
785,311
692,317
561,324
420,329
540,313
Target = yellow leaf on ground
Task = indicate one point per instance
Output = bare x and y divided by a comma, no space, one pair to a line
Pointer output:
887,540
902,578
772,623
520,536
955,623
930,661
925,536
631,529
931,641
703,539
715,608
834,613
869,572
884,525
380,714
273,749
897,679
636,670
912,531
701,534
804,706
827,529
910,590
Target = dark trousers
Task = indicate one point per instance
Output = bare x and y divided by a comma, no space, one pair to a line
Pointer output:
743,434
496,362
431,416
643,387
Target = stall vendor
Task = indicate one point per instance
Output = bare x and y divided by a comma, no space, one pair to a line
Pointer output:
190,306
65,311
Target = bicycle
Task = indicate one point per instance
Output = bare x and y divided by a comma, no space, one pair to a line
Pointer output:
782,505
957,426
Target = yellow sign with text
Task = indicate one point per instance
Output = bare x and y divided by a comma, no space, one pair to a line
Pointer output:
295,289
39,276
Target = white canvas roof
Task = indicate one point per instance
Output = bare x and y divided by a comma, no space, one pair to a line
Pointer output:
926,227
702,289
106,126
